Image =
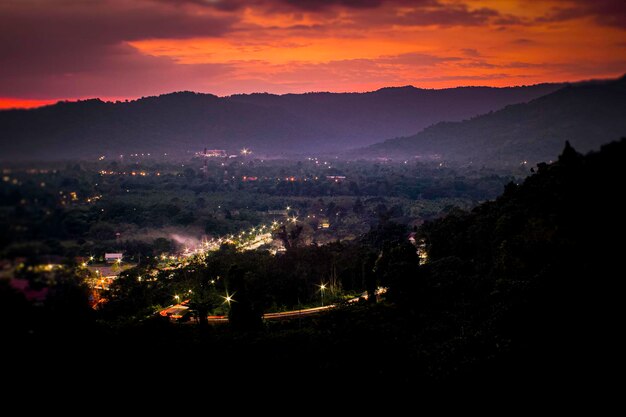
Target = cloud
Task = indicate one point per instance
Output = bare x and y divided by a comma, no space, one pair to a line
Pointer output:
414,59
305,5
431,13
397,12
604,12
523,42
471,52
461,77
80,48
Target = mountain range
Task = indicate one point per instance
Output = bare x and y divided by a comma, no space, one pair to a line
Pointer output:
271,125
587,114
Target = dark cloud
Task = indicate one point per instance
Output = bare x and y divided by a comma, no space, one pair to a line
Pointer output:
523,42
304,5
461,78
604,12
440,15
323,4
416,13
471,52
81,47
415,59
111,71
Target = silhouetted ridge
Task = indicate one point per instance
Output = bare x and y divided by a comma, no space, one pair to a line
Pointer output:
269,124
587,114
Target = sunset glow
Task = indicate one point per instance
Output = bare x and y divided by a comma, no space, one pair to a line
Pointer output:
121,49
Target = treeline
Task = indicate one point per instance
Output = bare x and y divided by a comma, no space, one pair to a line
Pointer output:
44,210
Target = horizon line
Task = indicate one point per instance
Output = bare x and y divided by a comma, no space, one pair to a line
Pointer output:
15,103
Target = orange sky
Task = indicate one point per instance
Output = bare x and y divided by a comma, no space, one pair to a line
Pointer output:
114,49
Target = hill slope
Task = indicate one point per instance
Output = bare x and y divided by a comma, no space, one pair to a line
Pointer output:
269,124
587,115
528,281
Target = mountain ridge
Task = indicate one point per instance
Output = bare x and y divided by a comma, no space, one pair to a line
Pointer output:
184,122
587,114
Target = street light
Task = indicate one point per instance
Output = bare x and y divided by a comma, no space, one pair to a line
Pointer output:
229,298
322,289
177,297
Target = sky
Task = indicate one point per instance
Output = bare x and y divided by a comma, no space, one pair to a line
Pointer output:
54,50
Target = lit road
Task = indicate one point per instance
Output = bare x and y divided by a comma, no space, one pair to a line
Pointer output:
175,311
281,315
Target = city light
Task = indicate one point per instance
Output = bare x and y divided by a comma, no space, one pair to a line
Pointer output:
322,289
229,299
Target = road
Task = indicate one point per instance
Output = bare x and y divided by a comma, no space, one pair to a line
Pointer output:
174,311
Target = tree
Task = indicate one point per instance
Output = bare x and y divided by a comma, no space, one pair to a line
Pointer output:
242,315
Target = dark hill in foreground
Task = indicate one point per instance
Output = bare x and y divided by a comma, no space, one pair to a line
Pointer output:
587,114
268,124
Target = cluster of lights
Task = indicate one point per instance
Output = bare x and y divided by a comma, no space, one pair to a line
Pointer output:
131,173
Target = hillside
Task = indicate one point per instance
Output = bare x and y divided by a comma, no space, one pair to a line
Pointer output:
269,124
530,278
587,115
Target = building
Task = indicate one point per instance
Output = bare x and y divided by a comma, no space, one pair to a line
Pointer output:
212,153
111,258
278,213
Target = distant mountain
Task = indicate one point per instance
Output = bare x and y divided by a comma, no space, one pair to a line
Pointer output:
587,114
269,124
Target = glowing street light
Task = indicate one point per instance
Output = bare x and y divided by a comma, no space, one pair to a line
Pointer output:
322,289
229,299
177,297
294,219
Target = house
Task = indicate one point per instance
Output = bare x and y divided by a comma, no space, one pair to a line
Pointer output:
111,258
323,224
